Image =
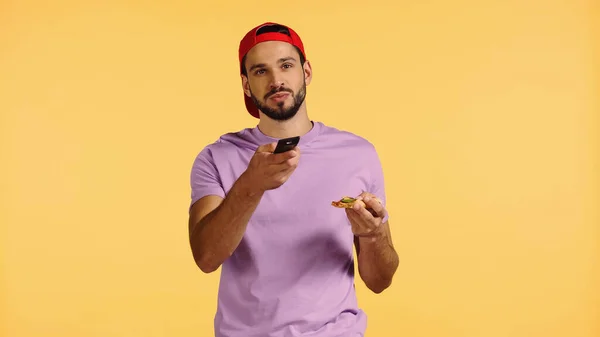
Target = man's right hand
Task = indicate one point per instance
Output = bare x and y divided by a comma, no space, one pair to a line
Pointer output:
267,171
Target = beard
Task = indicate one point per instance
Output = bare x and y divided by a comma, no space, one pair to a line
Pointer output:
281,113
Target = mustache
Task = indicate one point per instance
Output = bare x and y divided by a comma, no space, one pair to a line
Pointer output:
275,91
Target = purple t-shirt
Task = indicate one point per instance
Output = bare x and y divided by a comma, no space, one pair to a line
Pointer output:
293,272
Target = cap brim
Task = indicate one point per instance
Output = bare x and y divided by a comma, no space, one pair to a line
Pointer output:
251,107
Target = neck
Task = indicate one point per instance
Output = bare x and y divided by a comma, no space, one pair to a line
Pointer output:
297,126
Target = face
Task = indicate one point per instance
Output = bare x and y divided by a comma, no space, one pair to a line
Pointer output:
276,80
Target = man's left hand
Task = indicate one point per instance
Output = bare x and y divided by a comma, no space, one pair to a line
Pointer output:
367,221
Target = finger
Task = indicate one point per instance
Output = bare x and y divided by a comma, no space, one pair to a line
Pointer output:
281,169
269,147
352,216
289,164
284,170
370,196
363,213
365,194
359,226
282,157
375,205
372,203
350,212
373,213
283,175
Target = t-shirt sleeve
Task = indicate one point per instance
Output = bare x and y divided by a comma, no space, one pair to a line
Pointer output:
204,178
378,180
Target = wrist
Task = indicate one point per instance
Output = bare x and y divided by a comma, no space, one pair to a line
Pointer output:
247,188
378,234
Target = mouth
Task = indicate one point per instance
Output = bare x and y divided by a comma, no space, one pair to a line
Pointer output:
278,97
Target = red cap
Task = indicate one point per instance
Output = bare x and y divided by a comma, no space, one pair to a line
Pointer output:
251,40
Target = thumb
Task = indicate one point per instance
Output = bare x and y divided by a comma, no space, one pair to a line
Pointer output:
269,147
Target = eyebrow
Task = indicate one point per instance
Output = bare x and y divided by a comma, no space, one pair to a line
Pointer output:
281,60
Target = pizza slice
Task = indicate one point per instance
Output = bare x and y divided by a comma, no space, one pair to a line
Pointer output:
348,202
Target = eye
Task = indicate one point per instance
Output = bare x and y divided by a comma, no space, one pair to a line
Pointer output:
259,72
287,65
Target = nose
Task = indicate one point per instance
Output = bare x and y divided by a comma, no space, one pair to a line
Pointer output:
276,81
276,84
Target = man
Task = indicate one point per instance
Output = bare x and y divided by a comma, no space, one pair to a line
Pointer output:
267,219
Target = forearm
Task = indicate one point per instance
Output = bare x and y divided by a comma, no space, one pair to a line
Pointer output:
218,234
377,261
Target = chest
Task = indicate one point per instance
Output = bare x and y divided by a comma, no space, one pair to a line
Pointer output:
320,178
300,210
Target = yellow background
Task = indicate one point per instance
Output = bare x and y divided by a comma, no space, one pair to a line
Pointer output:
485,114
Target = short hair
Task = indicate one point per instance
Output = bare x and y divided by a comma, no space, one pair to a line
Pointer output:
272,29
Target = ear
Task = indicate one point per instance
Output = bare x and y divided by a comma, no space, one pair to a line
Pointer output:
307,72
245,85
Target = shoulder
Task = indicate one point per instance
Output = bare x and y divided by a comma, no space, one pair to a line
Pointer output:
346,139
227,144
217,155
